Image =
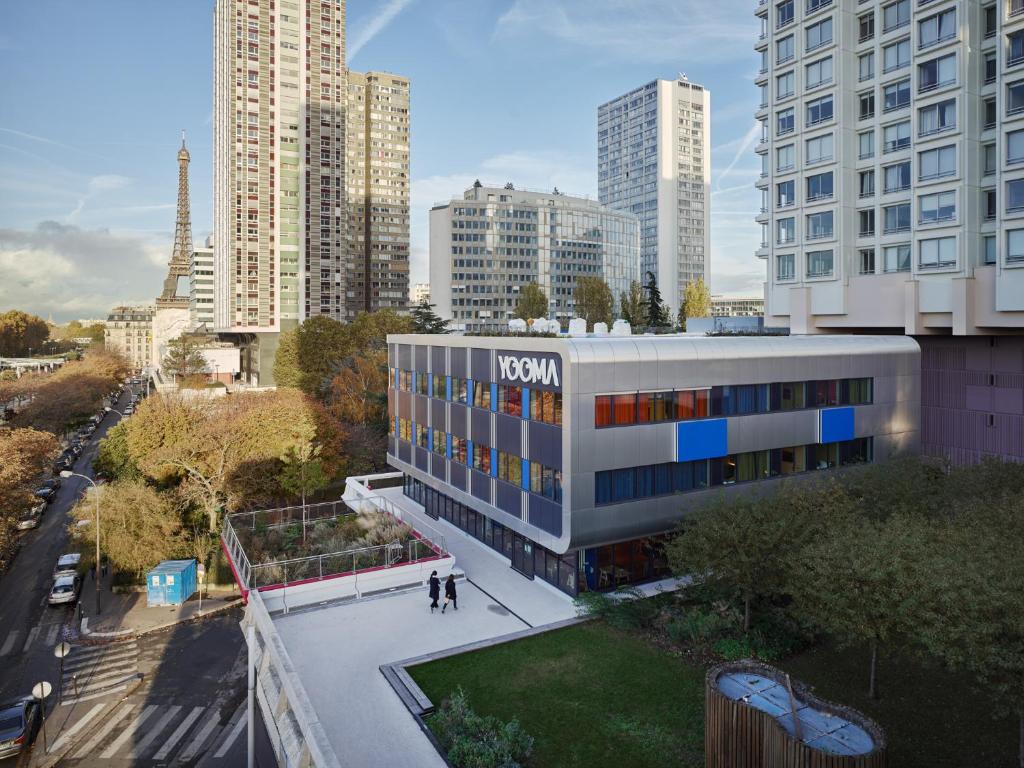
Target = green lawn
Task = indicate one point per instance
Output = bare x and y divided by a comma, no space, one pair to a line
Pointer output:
591,695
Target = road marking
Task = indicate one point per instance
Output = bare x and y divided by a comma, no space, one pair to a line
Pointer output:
232,736
154,731
32,635
92,682
86,651
108,726
74,662
178,733
12,638
127,733
193,748
51,636
70,732
89,696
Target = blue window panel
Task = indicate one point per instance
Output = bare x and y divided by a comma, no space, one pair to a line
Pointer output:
494,396
448,388
623,484
645,481
398,432
526,474
430,438
526,403
448,446
415,375
703,439
430,385
469,452
603,487
836,424
494,462
469,392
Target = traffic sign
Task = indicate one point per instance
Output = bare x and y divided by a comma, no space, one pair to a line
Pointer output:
61,650
201,572
42,690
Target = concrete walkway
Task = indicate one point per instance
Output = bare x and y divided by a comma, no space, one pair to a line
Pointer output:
337,649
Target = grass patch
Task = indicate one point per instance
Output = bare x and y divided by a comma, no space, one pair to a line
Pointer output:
588,695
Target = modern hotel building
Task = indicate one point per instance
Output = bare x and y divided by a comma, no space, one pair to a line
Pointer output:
572,456
892,194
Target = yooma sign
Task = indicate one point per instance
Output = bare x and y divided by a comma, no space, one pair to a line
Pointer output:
529,370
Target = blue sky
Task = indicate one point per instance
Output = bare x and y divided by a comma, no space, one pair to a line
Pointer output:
95,95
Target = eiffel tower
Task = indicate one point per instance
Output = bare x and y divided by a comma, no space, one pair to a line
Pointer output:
181,258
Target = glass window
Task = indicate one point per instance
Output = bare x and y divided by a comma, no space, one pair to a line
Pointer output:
820,110
866,145
460,390
991,67
988,153
896,15
936,163
510,400
866,65
624,407
785,230
989,203
896,137
692,403
866,183
937,252
940,206
819,263
990,113
1015,195
422,382
896,258
866,26
546,406
819,225
1015,245
482,458
482,394
784,121
785,266
783,13
1015,45
439,442
897,218
785,158
936,28
785,84
510,468
936,73
896,55
819,186
794,460
988,249
603,411
819,149
866,256
897,177
990,20
792,396
866,222
818,73
785,193
866,105
1014,147
936,118
819,34
655,406
784,49
1015,97
896,95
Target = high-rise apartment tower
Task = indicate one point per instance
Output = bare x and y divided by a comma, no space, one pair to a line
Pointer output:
654,160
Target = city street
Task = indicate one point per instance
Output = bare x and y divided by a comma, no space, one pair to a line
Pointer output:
189,705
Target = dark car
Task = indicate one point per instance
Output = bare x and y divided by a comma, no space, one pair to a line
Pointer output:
19,724
44,493
63,463
53,482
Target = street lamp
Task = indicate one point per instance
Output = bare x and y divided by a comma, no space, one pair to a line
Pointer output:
96,492
113,410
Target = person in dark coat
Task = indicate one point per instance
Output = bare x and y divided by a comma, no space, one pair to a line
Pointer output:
449,593
434,590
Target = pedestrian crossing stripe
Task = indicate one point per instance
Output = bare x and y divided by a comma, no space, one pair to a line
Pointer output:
46,634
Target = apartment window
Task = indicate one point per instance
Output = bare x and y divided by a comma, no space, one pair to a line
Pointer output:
1016,7
896,55
866,104
784,121
866,222
785,230
785,266
819,263
819,149
1015,97
936,252
989,203
940,206
785,158
818,73
895,137
937,28
1015,195
819,110
988,158
1015,48
936,118
819,34
819,186
783,13
896,15
815,5
936,73
784,49
1014,147
991,67
896,258
896,218
866,65
785,193
866,145
785,85
897,177
991,21
990,113
896,95
761,89
866,257
866,183
1015,245
866,27
936,163
819,225
988,249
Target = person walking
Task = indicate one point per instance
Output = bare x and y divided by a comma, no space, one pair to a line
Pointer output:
434,590
449,593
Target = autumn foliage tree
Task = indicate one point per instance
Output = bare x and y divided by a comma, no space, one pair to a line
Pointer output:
21,333
593,300
23,455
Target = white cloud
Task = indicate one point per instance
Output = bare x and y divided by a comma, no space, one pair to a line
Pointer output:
73,272
374,26
638,30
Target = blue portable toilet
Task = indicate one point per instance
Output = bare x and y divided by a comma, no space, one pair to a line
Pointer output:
171,583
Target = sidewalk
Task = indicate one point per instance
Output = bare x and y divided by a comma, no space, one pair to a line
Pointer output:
127,613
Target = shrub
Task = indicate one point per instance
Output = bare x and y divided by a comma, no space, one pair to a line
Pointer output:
701,625
626,608
731,648
473,741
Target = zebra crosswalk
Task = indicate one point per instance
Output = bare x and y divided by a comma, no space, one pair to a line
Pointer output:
89,672
20,641
140,733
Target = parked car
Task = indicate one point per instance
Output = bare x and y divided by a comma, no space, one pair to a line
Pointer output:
65,461
44,493
19,724
53,482
64,590
67,565
96,419
30,518
129,410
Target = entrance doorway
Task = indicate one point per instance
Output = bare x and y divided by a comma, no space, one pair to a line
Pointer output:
522,554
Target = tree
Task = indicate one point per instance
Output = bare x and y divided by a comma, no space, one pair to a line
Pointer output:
425,320
303,471
657,312
113,456
323,343
287,371
21,333
632,306
696,301
533,303
593,300
184,358
359,390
